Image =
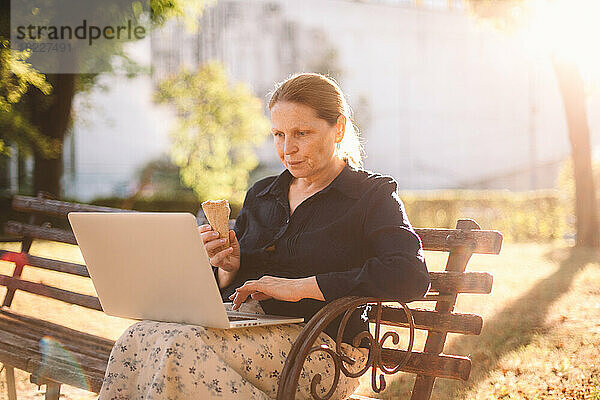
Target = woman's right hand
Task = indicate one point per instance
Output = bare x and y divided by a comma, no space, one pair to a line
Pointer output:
227,259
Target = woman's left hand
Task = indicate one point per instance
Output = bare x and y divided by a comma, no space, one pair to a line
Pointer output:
277,288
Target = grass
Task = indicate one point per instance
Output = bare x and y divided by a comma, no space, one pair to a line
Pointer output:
541,336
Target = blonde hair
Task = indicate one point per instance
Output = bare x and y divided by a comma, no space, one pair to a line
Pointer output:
324,95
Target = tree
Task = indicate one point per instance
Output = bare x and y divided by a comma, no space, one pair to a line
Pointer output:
16,77
43,113
218,125
511,15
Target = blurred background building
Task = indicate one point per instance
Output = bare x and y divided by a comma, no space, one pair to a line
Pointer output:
442,101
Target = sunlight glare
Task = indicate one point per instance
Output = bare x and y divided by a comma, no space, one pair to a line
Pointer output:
568,29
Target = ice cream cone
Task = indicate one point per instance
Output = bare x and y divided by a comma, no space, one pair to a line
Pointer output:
217,212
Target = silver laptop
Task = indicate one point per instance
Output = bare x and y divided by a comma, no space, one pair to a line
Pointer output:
154,266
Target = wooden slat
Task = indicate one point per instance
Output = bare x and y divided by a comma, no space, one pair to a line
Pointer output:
54,354
74,358
57,329
79,299
441,366
13,358
461,282
38,232
91,350
49,264
485,241
468,324
72,344
445,285
56,207
74,340
59,266
87,359
436,297
87,380
444,282
31,361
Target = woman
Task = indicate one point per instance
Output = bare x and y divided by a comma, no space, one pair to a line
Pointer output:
321,230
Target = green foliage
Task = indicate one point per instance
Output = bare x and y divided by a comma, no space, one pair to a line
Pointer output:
218,126
16,76
507,16
189,11
520,216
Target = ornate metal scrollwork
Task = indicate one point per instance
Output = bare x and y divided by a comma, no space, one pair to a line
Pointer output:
375,362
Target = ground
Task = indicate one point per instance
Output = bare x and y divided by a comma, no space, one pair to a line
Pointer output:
541,336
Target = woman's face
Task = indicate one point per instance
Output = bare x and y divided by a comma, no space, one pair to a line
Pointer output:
304,142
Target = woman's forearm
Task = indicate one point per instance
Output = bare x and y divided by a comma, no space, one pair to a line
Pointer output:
225,278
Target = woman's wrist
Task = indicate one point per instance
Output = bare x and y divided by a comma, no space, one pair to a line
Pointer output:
309,288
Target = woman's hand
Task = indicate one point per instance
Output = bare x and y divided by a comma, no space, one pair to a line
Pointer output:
227,259
277,288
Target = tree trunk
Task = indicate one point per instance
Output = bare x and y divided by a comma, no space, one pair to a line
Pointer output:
571,88
52,115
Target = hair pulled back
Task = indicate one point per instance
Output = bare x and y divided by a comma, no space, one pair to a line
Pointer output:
324,95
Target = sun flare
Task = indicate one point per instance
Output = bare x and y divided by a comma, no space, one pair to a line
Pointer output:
567,29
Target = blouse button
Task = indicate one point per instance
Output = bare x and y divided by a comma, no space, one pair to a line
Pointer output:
287,221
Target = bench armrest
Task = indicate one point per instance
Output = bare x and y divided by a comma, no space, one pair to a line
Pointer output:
304,345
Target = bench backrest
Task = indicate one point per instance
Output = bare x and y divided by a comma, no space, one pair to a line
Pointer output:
460,243
39,210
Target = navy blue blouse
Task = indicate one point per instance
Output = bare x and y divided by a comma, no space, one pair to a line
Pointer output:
353,235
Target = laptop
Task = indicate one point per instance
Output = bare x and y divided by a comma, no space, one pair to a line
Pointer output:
154,266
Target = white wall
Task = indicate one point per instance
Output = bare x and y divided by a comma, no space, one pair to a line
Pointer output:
116,131
449,101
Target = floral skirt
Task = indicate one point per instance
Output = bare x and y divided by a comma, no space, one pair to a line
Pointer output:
160,360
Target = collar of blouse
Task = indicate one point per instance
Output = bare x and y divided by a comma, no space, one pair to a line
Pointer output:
347,182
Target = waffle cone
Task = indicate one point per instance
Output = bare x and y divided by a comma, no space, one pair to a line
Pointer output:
217,212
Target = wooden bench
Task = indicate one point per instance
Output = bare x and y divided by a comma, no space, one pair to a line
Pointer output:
23,344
